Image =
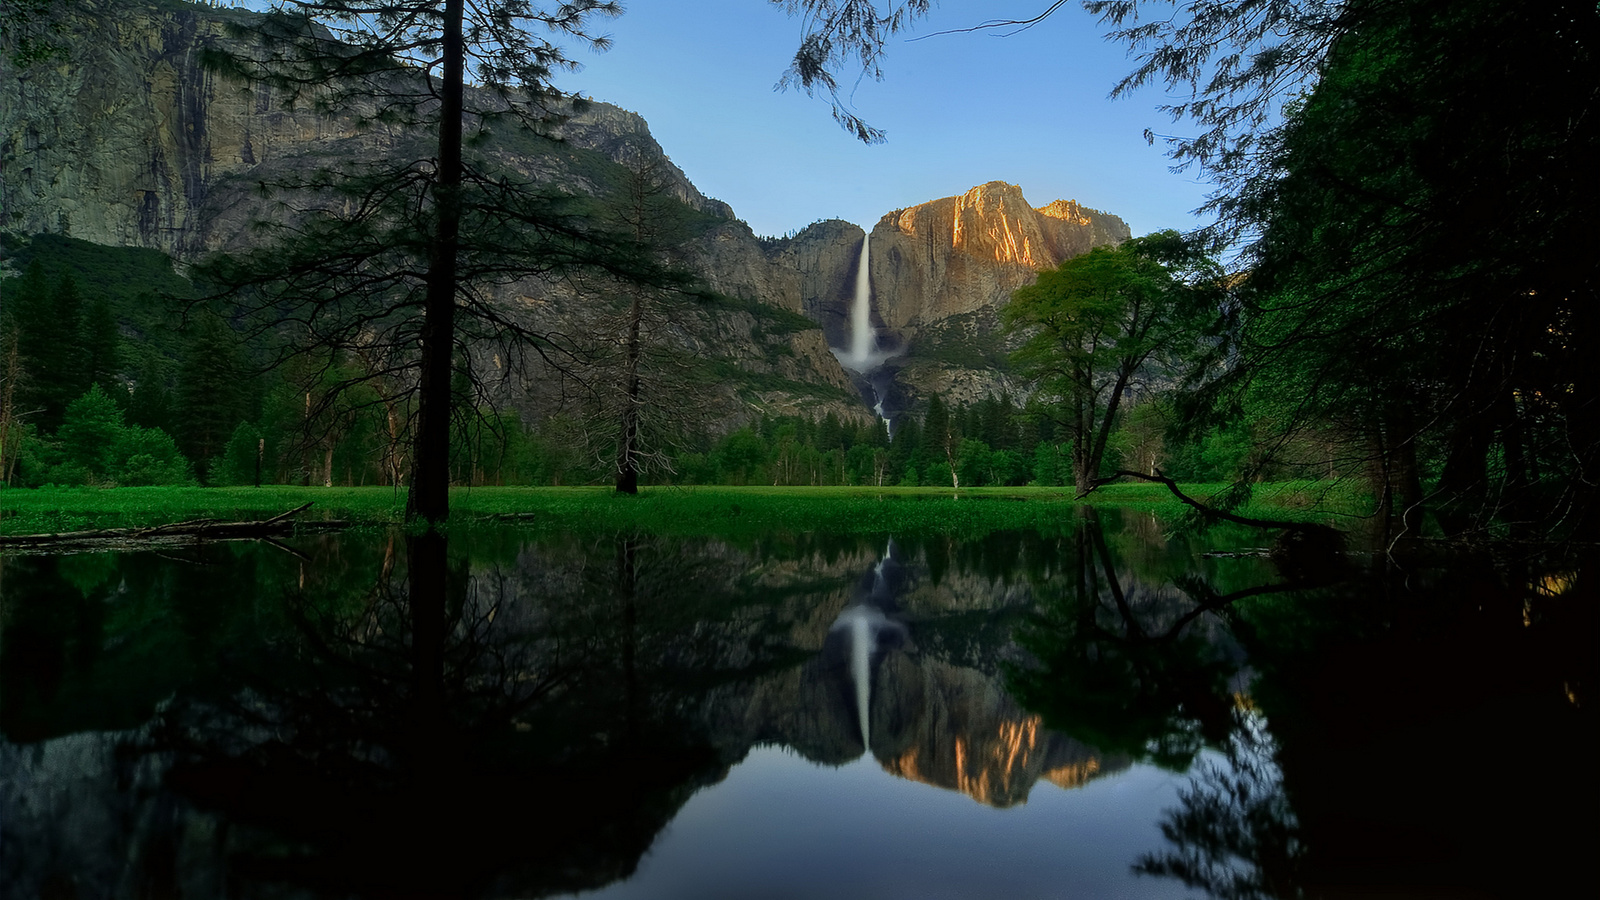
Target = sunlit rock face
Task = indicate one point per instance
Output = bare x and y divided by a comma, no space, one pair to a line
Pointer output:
961,254
940,271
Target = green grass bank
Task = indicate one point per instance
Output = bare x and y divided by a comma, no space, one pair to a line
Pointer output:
661,510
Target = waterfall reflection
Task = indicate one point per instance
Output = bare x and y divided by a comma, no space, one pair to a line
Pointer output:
926,717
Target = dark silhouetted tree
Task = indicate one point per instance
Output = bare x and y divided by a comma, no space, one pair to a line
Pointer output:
214,392
403,257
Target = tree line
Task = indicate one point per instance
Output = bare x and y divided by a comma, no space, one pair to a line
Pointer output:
91,398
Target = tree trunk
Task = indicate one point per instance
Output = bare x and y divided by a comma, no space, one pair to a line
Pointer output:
429,496
627,451
1107,416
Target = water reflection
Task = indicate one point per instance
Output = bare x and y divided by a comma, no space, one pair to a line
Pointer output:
1234,834
923,716
501,716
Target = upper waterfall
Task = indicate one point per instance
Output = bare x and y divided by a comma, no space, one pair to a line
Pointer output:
864,354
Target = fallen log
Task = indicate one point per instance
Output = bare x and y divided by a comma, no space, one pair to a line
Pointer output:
190,531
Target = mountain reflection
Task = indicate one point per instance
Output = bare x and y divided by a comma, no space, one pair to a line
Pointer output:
929,721
401,716
499,715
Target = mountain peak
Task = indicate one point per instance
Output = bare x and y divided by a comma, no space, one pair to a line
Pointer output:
994,222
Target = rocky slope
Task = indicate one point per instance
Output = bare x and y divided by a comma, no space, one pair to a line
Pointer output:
127,140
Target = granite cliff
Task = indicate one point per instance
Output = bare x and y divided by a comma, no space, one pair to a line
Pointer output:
127,140
941,271
966,254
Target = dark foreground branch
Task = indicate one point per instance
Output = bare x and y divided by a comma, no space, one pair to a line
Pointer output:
1212,514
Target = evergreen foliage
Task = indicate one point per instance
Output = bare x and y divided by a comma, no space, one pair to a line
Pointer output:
394,262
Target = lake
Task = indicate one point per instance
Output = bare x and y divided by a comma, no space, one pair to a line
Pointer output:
1104,710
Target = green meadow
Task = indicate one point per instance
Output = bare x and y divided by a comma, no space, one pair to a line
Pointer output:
659,510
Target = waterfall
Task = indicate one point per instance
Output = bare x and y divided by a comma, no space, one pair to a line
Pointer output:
863,355
862,340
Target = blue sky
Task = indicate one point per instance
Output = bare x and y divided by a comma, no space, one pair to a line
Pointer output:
960,110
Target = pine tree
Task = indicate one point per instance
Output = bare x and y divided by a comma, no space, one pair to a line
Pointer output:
213,390
48,325
100,341
400,263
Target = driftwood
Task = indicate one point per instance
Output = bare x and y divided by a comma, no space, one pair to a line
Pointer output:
191,531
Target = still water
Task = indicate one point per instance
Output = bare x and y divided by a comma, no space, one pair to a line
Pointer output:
1104,711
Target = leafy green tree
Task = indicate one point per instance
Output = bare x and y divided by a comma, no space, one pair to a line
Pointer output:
1139,441
1052,465
149,456
740,457
1096,325
243,458
1424,282
1007,468
96,447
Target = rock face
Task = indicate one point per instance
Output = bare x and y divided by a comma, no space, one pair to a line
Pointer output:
963,254
941,271
129,141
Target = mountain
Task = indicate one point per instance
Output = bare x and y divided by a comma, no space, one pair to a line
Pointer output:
940,271
128,141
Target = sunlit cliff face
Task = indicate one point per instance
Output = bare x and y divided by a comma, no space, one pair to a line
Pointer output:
993,222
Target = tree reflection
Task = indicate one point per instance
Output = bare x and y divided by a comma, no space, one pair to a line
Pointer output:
1234,834
1122,664
1391,700
407,742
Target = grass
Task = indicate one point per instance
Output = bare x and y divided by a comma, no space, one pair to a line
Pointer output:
668,511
